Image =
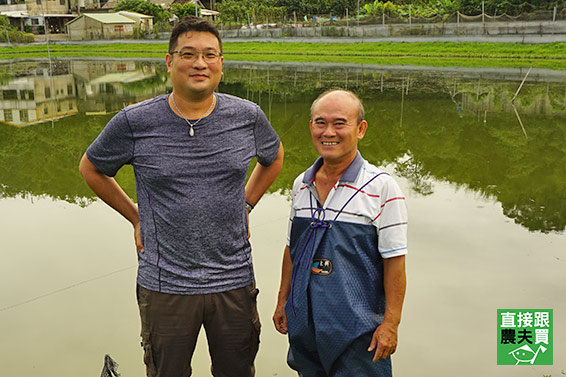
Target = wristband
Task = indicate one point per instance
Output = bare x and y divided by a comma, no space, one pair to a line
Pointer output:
249,206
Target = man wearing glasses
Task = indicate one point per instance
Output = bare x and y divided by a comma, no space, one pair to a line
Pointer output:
190,151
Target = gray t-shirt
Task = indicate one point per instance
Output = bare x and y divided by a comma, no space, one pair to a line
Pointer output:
190,190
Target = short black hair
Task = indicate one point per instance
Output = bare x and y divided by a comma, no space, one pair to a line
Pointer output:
192,23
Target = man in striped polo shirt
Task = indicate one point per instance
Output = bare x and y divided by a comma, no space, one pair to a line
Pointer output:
343,276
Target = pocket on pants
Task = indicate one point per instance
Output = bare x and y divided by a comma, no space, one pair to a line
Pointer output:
148,356
256,324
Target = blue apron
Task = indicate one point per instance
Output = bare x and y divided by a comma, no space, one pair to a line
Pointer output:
337,292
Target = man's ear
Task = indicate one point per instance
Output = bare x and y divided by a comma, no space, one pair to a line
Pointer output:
169,61
362,128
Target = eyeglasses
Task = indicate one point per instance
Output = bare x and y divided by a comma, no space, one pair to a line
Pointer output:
210,56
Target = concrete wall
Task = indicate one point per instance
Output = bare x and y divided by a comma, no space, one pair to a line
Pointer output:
123,31
144,24
390,30
49,7
76,31
13,8
147,25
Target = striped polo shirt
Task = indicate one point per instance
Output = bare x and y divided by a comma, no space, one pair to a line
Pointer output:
363,195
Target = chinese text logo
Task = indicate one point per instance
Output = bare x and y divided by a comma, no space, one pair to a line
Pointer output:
524,337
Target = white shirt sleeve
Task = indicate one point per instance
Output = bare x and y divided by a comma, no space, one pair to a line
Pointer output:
391,223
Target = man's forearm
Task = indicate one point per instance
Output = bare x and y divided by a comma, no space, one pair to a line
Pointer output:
286,273
279,317
107,189
384,339
262,177
394,281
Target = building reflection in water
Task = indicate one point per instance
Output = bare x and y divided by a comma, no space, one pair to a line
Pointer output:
108,86
37,98
32,96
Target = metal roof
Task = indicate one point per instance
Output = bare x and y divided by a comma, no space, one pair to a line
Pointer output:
208,12
15,14
106,18
133,14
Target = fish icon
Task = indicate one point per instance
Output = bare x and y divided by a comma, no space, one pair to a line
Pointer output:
321,267
525,354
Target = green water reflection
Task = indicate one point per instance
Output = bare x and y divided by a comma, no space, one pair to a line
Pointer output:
445,126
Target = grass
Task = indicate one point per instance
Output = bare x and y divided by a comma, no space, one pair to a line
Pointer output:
552,55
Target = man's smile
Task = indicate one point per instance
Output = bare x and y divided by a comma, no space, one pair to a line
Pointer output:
198,75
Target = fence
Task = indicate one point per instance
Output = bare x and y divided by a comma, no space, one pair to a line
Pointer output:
535,23
351,19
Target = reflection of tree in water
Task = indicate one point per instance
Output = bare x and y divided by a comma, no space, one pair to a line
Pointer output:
41,160
413,170
527,176
535,217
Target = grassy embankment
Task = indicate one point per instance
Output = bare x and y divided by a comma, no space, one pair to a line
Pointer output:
444,54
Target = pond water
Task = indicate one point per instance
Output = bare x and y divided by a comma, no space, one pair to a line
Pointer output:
484,177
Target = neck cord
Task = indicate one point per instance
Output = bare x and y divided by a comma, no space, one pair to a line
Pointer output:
191,125
318,222
317,216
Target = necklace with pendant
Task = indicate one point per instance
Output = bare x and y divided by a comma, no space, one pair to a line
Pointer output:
191,125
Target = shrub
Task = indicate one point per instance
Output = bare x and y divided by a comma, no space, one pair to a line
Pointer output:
16,36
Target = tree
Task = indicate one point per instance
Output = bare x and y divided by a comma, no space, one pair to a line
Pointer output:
339,7
511,7
305,7
233,10
143,7
257,10
378,8
182,10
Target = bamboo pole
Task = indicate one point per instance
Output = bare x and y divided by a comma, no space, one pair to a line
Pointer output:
402,102
520,121
520,86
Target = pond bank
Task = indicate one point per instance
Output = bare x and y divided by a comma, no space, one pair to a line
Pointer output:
522,39
516,38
